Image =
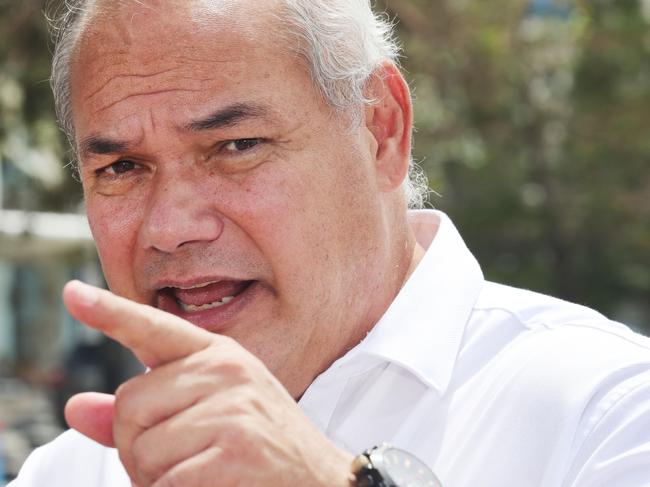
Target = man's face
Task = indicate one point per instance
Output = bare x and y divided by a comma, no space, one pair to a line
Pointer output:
221,188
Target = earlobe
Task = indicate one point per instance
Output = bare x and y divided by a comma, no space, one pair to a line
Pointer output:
389,121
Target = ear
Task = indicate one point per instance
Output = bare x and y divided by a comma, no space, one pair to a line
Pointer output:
389,121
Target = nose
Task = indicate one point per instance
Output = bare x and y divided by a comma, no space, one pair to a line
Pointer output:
177,214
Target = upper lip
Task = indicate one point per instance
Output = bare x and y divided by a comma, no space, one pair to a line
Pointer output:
194,282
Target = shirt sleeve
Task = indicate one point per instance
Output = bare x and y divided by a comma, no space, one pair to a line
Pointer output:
616,448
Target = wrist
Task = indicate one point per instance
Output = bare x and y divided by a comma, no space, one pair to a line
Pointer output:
337,471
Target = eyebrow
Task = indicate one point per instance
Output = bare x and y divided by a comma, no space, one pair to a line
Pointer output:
222,118
228,117
97,145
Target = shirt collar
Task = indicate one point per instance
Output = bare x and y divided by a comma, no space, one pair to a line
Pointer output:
422,329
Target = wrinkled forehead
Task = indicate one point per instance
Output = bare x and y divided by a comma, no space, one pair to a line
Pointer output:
172,57
136,25
122,38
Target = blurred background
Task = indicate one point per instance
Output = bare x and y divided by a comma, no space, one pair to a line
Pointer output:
533,126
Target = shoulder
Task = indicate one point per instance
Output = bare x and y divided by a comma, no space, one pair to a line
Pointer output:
553,350
546,320
562,374
68,461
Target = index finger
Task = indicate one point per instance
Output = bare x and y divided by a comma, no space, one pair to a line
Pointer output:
154,336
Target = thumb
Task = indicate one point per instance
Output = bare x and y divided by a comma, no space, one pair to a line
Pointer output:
91,414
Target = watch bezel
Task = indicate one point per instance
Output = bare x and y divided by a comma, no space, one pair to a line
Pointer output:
376,456
380,472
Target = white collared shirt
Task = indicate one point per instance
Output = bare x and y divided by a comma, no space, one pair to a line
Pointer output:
491,386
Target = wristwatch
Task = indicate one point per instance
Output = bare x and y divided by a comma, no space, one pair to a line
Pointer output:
387,466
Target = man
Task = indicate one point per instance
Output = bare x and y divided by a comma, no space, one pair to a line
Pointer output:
244,167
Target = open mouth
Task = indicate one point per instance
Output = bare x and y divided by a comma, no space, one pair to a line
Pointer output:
207,304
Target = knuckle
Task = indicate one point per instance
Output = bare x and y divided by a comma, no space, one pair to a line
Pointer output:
124,391
143,459
245,402
122,402
238,433
232,368
126,408
174,478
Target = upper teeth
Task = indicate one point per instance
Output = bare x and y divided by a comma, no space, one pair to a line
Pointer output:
197,286
190,308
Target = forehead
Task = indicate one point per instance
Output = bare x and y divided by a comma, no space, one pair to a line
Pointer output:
130,47
119,31
125,19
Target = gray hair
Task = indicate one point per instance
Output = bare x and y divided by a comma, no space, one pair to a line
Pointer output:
342,42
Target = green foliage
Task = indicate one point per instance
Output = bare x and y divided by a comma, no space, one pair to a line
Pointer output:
534,130
32,149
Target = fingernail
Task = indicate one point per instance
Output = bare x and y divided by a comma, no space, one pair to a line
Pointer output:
86,295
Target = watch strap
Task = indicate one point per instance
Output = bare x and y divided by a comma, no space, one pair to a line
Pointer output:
365,474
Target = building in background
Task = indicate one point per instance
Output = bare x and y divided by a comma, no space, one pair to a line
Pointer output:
39,252
45,356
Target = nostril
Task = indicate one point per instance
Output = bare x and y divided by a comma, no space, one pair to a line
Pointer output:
175,231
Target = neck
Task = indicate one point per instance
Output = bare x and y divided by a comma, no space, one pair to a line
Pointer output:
416,257
401,258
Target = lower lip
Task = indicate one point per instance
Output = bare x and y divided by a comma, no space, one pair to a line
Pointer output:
216,320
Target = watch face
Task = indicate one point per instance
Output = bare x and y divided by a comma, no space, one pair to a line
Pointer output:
401,469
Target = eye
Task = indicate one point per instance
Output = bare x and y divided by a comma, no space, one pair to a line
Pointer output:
120,177
117,168
241,145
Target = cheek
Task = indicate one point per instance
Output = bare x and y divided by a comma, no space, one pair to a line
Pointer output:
115,228
306,219
281,210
